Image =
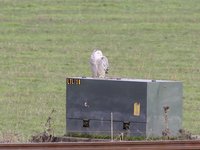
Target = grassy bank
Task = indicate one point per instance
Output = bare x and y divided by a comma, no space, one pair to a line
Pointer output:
44,41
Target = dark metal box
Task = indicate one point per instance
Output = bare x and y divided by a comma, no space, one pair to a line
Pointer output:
137,106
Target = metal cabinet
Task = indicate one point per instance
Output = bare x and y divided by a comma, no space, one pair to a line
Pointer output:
137,106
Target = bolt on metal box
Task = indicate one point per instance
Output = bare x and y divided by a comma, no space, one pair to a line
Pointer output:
139,107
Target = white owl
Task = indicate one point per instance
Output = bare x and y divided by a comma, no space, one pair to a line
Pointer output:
99,64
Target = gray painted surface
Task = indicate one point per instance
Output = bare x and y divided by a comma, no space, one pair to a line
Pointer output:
95,99
161,95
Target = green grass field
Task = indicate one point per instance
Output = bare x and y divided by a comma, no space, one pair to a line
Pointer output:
44,41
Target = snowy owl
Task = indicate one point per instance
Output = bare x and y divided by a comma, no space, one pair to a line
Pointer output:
99,64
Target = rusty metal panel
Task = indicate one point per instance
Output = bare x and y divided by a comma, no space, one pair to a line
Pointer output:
163,95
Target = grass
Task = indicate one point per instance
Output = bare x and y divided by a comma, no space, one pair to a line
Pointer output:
43,42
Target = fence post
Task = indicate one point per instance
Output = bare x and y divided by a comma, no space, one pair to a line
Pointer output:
111,127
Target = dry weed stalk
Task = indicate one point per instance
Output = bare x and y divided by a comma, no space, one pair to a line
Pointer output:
48,134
